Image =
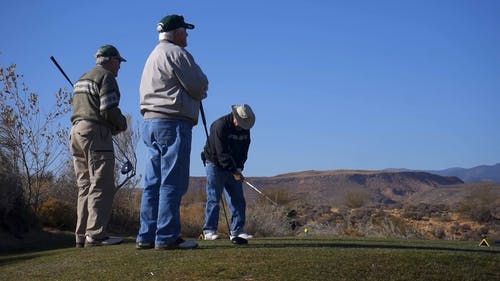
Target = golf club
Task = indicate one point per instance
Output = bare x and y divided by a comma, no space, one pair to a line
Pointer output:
290,214
127,168
236,240
260,192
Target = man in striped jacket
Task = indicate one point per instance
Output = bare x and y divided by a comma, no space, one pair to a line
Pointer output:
96,118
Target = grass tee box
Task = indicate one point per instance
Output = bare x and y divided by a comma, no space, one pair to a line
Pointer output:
311,258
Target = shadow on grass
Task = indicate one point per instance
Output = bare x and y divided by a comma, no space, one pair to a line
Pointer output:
9,260
321,243
36,241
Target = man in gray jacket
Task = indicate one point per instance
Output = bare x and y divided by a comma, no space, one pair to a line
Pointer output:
172,87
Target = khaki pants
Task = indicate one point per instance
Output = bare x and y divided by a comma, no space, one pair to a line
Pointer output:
91,146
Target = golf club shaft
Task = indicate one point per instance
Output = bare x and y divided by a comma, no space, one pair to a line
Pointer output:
256,189
204,119
60,69
225,214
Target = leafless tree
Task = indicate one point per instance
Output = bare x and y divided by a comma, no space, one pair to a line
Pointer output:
34,140
126,205
125,146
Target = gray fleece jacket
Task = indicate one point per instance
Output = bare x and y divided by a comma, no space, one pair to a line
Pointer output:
172,84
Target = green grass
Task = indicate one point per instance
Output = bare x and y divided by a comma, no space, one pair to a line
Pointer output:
310,258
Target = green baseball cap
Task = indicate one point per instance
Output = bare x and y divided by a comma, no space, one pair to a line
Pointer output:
109,51
172,22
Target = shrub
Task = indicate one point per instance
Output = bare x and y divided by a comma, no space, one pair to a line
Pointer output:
439,233
193,219
194,196
58,214
10,189
423,210
356,198
480,205
126,211
16,216
264,219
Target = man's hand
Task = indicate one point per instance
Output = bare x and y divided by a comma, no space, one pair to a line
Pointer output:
238,176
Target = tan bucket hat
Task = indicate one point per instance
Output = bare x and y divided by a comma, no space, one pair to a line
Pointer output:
244,115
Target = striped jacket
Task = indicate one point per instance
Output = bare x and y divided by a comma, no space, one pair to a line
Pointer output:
96,98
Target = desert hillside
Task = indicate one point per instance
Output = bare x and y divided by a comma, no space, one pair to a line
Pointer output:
330,187
378,203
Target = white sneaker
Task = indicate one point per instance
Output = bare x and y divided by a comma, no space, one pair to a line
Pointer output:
210,236
241,235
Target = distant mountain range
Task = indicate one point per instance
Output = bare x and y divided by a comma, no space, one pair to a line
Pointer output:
477,174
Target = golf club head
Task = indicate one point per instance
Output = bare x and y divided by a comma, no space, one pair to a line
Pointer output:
239,241
291,214
126,168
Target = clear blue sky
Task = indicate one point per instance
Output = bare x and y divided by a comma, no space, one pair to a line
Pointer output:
334,84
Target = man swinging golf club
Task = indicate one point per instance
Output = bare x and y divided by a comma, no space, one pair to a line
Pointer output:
224,157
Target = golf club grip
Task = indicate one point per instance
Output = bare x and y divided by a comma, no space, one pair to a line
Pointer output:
60,69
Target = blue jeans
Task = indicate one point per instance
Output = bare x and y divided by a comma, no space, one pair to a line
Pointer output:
166,179
218,180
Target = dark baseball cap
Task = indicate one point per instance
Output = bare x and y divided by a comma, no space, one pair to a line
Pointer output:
109,51
172,22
